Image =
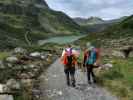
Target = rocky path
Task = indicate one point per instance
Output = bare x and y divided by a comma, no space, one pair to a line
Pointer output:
53,86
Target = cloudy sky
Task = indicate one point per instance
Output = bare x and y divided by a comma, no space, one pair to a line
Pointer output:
106,9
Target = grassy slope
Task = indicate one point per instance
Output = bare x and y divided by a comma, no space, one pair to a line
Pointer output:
119,78
120,33
17,18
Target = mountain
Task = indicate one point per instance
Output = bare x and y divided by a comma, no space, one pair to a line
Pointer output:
89,21
95,24
114,36
25,22
121,29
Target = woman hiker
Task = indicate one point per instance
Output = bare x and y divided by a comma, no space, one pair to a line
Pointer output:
68,58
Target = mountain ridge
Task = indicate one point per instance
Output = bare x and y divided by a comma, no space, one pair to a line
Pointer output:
35,18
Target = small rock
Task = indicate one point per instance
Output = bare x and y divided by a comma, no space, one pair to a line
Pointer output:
9,65
106,66
1,65
24,76
32,66
117,54
31,74
1,88
60,93
20,50
6,97
35,54
13,84
12,59
54,76
27,82
43,56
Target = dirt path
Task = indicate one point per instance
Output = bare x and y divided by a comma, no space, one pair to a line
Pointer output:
53,86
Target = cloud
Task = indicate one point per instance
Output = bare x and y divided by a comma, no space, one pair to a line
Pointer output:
106,9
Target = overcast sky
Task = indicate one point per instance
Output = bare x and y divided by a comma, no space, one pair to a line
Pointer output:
106,9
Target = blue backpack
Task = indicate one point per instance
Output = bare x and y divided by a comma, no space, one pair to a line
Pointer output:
92,56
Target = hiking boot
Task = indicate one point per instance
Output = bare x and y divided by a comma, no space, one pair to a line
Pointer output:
73,85
89,82
68,83
95,81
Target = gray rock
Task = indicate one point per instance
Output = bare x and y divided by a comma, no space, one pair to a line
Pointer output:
6,97
13,84
27,82
12,59
35,54
24,76
1,88
1,65
20,50
9,65
106,66
31,66
117,54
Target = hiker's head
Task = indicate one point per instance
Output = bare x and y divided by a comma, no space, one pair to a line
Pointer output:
88,44
68,46
91,48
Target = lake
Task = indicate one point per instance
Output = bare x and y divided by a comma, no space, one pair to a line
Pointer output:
60,39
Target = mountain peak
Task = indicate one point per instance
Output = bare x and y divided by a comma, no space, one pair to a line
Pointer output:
88,21
42,2
95,18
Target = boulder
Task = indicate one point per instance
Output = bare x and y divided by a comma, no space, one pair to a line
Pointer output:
20,50
106,66
32,66
12,59
117,54
12,84
43,56
24,76
1,88
1,65
27,83
6,97
35,54
9,65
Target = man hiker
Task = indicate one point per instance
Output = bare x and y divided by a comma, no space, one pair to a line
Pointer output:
91,60
69,61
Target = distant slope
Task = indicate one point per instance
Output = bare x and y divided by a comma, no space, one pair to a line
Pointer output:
89,21
32,19
121,29
95,24
115,36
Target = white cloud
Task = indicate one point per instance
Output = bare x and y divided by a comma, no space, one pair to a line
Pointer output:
107,9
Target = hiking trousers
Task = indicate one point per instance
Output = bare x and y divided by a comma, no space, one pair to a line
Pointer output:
90,73
70,74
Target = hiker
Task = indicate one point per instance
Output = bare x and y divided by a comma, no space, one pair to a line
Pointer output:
68,58
80,59
91,60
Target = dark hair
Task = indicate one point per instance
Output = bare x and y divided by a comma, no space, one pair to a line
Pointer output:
68,45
